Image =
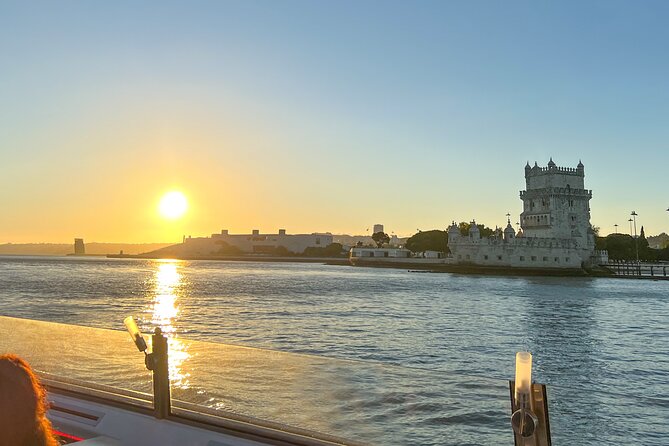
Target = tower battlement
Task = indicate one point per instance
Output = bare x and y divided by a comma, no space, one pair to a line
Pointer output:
553,169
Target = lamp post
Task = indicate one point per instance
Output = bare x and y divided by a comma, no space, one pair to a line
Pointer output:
636,242
630,220
616,225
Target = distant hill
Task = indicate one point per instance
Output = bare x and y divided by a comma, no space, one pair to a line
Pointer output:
61,249
658,241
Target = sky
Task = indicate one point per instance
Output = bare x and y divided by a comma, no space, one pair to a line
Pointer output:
324,116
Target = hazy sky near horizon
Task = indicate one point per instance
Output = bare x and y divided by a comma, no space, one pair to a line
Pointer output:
324,116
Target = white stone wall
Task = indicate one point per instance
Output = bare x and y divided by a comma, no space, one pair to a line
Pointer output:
541,177
518,252
380,252
250,243
295,243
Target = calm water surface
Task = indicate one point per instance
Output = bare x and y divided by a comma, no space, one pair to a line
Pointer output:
601,345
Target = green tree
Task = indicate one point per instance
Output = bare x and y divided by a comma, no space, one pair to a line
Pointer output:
380,238
645,252
663,254
620,247
483,229
332,250
282,251
434,240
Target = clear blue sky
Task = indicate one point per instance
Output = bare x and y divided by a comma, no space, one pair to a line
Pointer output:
324,116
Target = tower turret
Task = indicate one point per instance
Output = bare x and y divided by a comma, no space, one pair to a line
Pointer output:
474,232
453,232
509,232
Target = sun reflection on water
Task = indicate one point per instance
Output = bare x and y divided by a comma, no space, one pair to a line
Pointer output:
164,313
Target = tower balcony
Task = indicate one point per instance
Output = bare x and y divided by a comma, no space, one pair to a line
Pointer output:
555,191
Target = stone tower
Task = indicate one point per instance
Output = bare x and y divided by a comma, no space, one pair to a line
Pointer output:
556,204
79,247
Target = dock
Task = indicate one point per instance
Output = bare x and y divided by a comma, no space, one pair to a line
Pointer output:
639,270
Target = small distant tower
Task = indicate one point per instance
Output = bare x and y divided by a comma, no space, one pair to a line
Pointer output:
79,248
509,233
377,228
453,233
474,232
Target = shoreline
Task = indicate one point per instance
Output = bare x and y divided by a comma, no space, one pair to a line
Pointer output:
326,260
413,266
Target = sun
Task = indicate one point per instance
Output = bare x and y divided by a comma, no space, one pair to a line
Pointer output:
173,205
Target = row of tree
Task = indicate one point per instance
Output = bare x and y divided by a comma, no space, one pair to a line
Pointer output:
625,247
437,240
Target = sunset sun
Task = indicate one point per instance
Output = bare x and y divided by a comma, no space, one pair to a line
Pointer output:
173,205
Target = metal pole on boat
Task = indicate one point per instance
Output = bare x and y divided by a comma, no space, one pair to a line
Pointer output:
161,377
156,361
529,406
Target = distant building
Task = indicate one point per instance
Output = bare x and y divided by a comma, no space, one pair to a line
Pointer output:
79,248
380,252
395,241
555,224
377,228
256,243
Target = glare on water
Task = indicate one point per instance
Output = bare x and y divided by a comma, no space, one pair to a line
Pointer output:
164,310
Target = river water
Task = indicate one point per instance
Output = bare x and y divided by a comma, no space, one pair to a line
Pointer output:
601,345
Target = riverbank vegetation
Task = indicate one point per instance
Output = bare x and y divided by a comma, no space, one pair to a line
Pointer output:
623,247
437,240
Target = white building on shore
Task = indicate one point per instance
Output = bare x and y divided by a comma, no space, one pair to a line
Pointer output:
555,226
255,243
